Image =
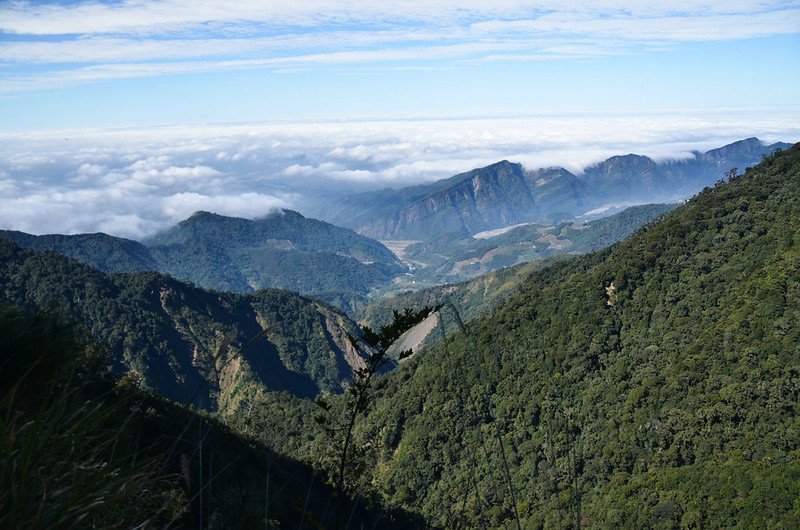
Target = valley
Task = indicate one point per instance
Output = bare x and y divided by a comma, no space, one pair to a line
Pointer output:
437,265
622,370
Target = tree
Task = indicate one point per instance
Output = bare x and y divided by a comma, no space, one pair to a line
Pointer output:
360,395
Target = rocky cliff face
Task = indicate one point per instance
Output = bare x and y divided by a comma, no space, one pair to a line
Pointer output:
623,175
498,195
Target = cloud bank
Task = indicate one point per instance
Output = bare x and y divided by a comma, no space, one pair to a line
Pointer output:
134,182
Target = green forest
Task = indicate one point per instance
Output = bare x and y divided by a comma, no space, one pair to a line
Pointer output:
652,384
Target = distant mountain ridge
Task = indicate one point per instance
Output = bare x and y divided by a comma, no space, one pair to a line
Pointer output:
281,250
101,251
505,194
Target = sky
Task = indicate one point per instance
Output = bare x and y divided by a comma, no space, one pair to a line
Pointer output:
126,116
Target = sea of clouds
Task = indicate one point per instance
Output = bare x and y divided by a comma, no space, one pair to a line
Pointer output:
134,182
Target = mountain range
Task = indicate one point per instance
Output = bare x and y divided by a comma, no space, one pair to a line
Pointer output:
281,250
336,265
652,384
505,194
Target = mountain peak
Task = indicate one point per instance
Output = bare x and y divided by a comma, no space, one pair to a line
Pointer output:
200,215
280,212
751,142
497,169
746,146
747,141
631,160
503,164
203,215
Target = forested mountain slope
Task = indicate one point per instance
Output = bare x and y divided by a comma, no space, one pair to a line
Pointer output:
653,384
189,344
283,249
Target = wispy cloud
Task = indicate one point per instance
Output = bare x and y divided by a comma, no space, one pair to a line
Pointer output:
88,41
44,18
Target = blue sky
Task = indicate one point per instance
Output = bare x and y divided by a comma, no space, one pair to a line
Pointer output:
127,116
87,64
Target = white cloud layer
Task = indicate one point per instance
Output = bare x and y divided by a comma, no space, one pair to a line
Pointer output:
133,182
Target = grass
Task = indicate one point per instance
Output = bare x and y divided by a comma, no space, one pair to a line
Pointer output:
67,456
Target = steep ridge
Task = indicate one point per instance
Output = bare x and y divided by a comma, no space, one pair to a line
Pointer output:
461,204
188,344
498,195
503,194
653,384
